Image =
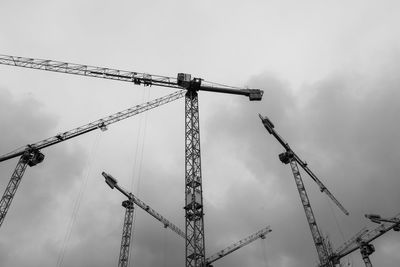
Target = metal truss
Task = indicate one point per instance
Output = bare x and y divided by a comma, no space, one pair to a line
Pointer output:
194,226
126,234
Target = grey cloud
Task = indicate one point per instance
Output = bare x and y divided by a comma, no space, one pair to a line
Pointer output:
36,205
345,126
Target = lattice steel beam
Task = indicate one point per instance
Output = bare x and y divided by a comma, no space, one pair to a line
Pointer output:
126,234
195,249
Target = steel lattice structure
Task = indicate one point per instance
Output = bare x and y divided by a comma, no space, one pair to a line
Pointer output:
113,183
195,250
363,239
241,243
30,157
290,157
30,154
194,226
317,237
126,234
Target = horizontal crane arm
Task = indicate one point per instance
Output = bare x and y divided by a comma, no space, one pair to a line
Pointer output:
112,182
270,128
239,244
253,94
99,124
91,71
126,76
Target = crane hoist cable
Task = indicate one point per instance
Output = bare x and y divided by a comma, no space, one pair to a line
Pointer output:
78,200
336,220
138,161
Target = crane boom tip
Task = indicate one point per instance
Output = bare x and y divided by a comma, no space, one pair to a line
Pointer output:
267,123
111,181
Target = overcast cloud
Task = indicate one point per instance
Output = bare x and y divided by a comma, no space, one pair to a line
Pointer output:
330,74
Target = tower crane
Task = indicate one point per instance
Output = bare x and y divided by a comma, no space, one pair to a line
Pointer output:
132,199
128,222
362,241
31,155
113,183
241,243
194,215
290,157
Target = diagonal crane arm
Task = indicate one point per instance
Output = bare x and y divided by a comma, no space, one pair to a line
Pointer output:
183,81
270,128
367,237
245,241
30,155
98,124
346,245
112,182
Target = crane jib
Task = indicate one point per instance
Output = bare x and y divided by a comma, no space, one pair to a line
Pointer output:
99,124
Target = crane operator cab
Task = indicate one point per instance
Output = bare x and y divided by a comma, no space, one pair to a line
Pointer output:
184,79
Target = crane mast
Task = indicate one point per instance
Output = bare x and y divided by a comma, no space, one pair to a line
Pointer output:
286,158
289,157
126,234
241,243
194,215
113,183
30,155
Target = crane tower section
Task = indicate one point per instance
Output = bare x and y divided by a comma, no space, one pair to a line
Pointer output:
126,234
287,158
194,215
30,157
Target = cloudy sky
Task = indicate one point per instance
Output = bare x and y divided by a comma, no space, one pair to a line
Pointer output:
331,75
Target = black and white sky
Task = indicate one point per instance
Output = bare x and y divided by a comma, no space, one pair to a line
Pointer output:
330,71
